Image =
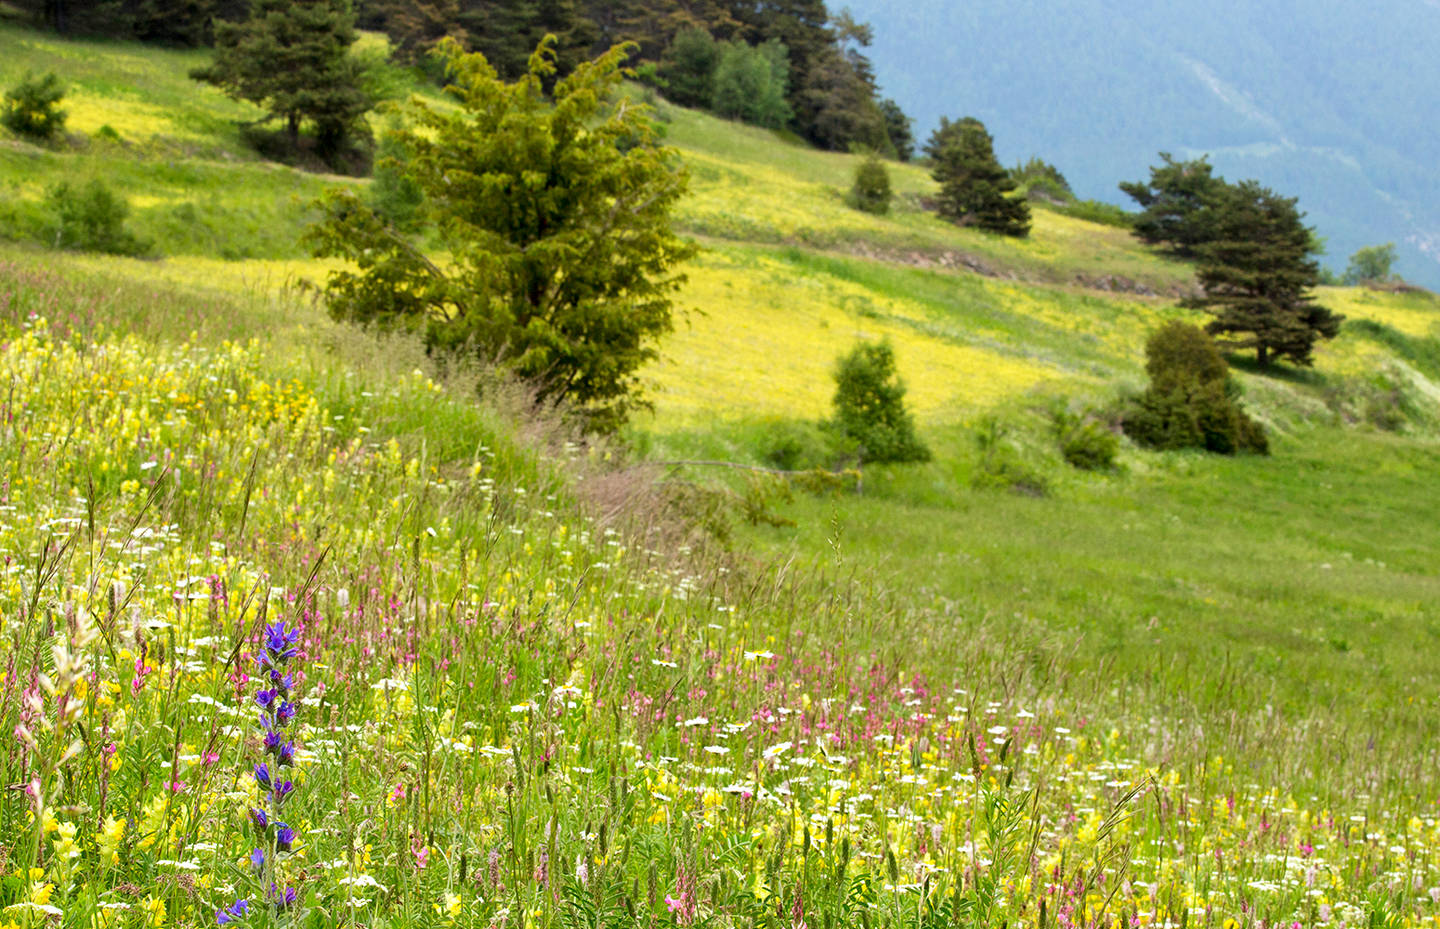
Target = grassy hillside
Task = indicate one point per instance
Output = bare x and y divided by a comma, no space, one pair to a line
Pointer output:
1194,691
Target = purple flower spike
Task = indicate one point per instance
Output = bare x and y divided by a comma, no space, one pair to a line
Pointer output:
260,819
273,741
257,858
262,776
280,642
285,754
286,711
284,837
265,698
283,900
281,791
234,913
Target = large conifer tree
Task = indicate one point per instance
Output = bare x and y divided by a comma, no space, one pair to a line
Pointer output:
974,189
1257,272
292,57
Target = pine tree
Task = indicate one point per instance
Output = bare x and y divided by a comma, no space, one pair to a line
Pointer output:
506,32
292,57
1257,272
974,188
1174,204
688,68
415,26
898,129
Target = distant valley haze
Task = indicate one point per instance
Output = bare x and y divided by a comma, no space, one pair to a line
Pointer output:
1331,102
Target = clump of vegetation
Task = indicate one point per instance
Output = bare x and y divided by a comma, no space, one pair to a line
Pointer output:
556,217
1085,442
92,218
688,68
1000,465
974,189
752,83
32,108
871,192
1372,264
870,409
1038,179
1192,401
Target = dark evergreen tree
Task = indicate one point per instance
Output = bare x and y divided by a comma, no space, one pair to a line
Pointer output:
898,129
836,107
292,57
506,32
974,189
1192,402
1174,204
415,26
688,68
1257,272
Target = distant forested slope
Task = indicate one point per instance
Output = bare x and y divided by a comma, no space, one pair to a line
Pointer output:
1332,102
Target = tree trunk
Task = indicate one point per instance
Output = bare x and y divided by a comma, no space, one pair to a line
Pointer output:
294,128
1262,356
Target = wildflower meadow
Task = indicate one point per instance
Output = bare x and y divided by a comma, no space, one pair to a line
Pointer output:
272,659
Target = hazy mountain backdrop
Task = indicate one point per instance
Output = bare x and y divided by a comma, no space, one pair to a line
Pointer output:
1333,102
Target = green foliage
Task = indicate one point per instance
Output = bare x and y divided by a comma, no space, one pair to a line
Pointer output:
1192,401
974,189
1038,179
1086,443
1372,263
32,107
688,68
292,57
91,218
869,406
1175,205
1001,464
1257,272
1098,211
751,84
898,129
555,216
395,195
871,192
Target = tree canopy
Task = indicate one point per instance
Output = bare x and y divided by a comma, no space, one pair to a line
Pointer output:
292,57
1175,204
1257,271
555,214
974,188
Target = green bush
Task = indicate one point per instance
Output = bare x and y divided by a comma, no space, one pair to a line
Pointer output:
1001,465
1090,446
1192,401
1094,211
871,192
32,108
91,218
1037,179
870,406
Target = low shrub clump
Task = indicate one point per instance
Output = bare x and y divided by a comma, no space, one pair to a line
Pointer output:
871,192
1192,401
870,407
1086,443
32,108
91,218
